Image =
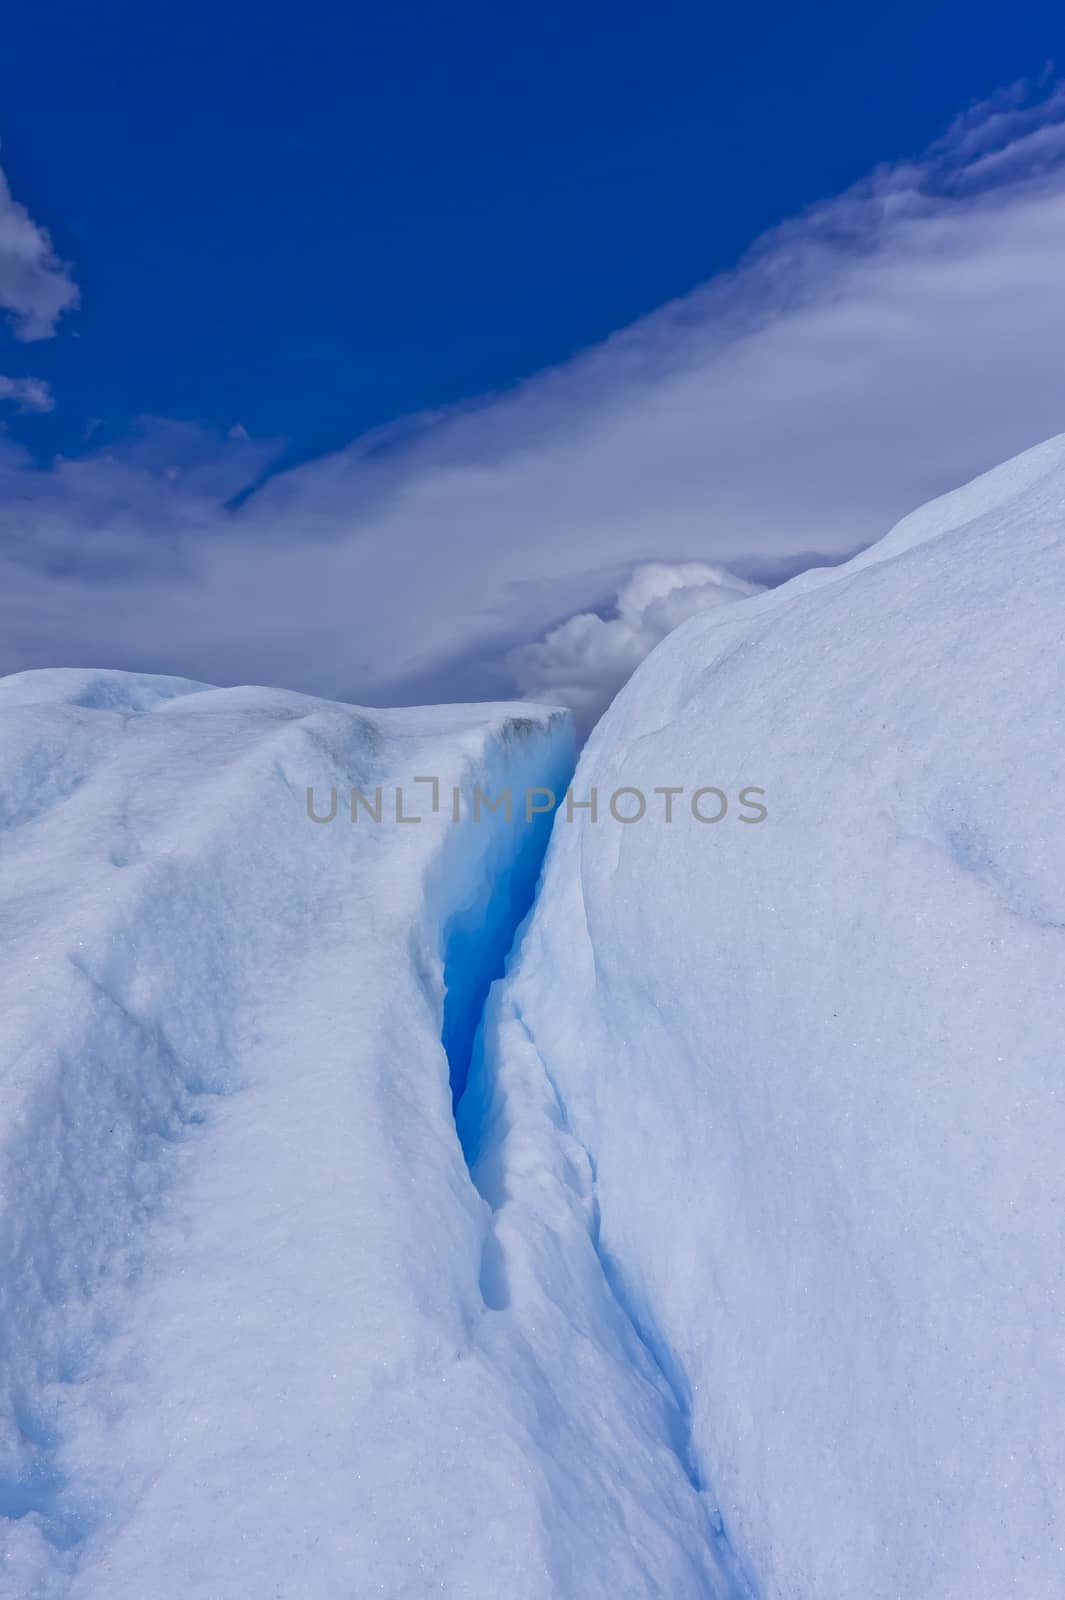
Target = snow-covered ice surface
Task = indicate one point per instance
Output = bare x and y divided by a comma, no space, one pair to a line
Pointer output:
818,1061
739,1270
260,1334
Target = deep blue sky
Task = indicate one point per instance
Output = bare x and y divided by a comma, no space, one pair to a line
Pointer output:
314,219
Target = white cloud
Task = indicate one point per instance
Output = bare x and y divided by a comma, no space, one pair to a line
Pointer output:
29,394
584,661
35,287
887,346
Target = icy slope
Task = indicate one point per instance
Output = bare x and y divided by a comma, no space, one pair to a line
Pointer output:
259,1333
817,1061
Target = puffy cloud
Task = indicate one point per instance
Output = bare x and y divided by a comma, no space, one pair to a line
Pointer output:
887,346
584,661
35,287
29,394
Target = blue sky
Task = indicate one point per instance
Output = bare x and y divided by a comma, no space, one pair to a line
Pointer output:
314,220
699,286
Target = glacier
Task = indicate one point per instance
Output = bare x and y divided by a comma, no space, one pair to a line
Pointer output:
256,1334
817,1063
557,1208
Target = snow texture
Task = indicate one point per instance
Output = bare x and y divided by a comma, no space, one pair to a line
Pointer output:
715,1252
260,1334
816,1062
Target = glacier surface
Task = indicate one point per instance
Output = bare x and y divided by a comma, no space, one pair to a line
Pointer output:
712,1251
816,1061
257,1333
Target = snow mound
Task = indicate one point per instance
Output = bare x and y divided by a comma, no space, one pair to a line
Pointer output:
815,1060
259,1332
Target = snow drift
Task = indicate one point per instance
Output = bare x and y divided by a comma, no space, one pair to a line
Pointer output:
259,1334
816,1063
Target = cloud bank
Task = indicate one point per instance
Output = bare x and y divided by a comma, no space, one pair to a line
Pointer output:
881,349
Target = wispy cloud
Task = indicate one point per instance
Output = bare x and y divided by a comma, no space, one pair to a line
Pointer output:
35,286
29,394
35,289
883,348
